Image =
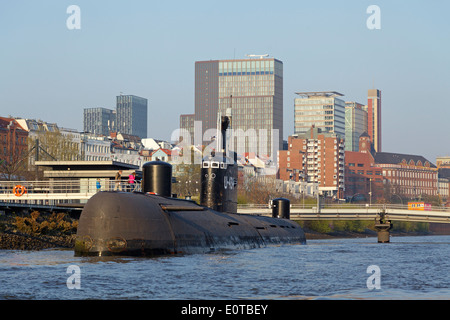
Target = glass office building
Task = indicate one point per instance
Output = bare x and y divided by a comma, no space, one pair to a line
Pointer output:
355,124
253,90
132,115
324,110
99,120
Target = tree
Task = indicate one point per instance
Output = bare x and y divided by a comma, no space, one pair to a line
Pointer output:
58,146
187,180
14,166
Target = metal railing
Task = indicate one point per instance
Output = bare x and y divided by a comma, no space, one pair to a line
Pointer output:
66,186
345,206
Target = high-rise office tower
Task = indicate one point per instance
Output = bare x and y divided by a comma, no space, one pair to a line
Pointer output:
324,110
374,118
132,115
99,120
187,123
355,125
252,89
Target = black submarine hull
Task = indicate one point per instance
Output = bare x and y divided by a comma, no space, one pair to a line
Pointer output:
141,224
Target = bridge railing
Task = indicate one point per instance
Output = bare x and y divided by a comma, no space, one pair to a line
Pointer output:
344,206
64,186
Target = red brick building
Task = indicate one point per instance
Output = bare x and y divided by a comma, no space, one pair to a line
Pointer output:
410,176
387,174
13,142
314,157
362,177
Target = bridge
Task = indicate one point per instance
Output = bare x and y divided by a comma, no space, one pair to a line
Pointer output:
382,215
347,211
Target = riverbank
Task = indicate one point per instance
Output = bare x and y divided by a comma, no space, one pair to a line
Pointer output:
313,235
37,231
20,241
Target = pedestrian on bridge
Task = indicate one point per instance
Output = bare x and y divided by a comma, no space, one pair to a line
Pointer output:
132,181
118,179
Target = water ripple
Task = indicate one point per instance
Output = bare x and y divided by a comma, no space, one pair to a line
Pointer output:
411,268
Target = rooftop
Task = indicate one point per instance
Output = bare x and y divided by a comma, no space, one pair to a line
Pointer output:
86,165
328,94
398,158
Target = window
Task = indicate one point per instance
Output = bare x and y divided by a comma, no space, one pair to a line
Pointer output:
351,164
360,165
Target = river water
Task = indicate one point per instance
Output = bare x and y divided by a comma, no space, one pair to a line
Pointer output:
406,268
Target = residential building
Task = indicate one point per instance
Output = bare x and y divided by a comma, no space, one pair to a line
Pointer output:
315,157
99,120
72,142
355,124
126,140
131,115
35,127
161,155
95,147
374,118
13,146
58,143
153,144
124,154
324,110
251,91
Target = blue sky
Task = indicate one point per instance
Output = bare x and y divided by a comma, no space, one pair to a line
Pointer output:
148,48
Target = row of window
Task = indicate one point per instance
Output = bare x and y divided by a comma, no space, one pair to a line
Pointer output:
257,73
413,183
410,174
22,140
367,172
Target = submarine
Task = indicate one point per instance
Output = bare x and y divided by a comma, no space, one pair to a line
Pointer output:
154,223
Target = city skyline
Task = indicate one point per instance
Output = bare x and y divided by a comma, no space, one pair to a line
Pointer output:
52,72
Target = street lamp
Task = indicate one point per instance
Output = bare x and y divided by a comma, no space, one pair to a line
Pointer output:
394,194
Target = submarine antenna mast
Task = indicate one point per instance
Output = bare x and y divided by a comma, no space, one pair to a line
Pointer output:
228,133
